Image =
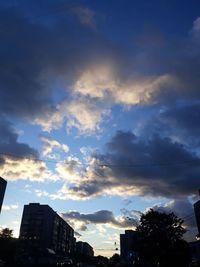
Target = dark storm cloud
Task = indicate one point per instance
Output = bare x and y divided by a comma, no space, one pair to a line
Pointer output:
185,117
38,49
177,104
35,55
156,166
22,61
183,208
99,217
178,122
10,146
161,166
179,57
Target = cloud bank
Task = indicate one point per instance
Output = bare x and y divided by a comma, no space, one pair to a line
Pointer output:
81,221
133,166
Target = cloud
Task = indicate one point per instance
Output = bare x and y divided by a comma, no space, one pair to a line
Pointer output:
10,207
93,75
178,121
26,169
91,72
85,15
41,193
85,115
69,169
103,81
19,160
185,117
133,166
42,57
21,91
183,208
196,28
82,113
133,215
49,144
172,78
82,62
87,150
9,144
100,217
126,202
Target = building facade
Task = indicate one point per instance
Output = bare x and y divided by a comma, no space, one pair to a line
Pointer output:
128,246
44,232
3,184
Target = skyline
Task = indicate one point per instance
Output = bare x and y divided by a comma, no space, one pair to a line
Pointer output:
100,112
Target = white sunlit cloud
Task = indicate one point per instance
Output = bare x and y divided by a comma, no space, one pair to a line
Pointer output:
95,91
50,144
83,114
26,169
41,193
102,81
69,171
10,207
87,151
84,181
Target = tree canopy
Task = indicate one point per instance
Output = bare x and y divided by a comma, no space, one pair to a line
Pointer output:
7,245
160,237
6,233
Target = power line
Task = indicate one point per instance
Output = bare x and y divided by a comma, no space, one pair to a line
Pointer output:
135,165
29,158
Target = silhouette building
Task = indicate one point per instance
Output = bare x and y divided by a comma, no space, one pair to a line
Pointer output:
3,184
44,232
84,249
128,246
197,214
195,250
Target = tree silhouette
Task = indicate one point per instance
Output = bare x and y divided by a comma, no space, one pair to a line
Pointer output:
7,245
6,233
160,239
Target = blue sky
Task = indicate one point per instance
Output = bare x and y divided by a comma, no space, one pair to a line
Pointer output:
99,112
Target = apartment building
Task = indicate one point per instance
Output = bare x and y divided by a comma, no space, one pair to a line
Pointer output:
44,232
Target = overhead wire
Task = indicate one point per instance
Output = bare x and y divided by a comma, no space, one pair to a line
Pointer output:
60,5
135,165
56,9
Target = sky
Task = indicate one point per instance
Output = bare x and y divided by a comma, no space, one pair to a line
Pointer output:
100,112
